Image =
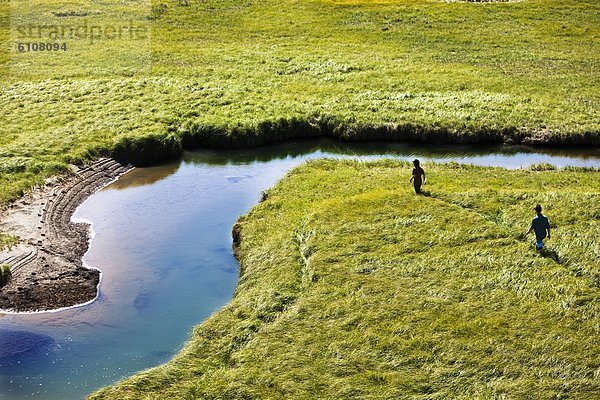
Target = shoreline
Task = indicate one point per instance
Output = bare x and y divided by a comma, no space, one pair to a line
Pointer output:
278,288
47,264
48,270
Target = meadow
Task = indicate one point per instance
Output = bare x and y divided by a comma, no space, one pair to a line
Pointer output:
353,287
228,73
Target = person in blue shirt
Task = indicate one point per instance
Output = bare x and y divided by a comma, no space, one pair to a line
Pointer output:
540,225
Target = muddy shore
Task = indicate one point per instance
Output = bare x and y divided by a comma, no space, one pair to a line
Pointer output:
46,264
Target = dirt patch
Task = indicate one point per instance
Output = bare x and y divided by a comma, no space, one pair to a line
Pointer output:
47,268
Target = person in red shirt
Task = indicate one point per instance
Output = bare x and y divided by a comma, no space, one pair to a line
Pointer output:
418,177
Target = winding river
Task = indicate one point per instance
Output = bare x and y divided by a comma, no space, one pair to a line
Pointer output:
162,238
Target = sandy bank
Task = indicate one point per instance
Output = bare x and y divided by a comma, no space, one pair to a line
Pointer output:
47,267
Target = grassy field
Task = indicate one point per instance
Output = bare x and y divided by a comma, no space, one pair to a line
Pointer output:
353,287
434,296
242,72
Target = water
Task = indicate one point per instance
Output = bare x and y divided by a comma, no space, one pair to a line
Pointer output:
163,242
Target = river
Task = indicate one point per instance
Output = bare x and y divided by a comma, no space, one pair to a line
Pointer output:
162,239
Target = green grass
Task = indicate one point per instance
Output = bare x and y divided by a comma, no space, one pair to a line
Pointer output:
430,296
353,287
242,72
7,241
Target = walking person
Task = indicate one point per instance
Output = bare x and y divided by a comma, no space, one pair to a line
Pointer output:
418,177
540,225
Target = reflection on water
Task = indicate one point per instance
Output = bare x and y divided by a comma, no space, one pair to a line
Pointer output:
18,345
147,176
519,155
163,243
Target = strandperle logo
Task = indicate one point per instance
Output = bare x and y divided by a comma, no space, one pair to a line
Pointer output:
104,37
84,31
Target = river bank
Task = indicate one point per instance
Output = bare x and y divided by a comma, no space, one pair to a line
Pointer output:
48,272
352,286
162,239
47,268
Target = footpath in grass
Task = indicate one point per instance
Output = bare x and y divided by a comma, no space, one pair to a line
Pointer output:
240,72
353,287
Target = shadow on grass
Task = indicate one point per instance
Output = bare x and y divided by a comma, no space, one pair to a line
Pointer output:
549,253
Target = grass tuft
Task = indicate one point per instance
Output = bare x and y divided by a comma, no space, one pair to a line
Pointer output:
7,241
5,274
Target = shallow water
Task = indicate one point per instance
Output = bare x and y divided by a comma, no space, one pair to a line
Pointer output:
163,242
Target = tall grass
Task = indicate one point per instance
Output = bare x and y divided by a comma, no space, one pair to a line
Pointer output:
354,287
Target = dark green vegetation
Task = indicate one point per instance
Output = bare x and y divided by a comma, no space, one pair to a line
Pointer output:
242,72
354,287
5,274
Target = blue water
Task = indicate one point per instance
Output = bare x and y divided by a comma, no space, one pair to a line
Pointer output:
162,238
